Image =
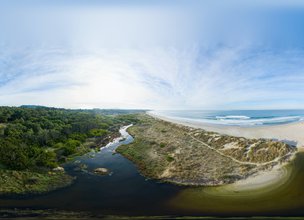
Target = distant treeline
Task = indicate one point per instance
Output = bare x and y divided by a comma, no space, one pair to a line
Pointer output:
95,110
37,136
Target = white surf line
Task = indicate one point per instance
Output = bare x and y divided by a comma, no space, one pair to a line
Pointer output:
167,119
235,160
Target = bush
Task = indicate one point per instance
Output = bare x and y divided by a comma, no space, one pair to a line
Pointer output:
47,159
169,158
16,156
70,147
162,145
97,133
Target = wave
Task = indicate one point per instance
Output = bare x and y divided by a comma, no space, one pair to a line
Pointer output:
233,117
245,122
261,121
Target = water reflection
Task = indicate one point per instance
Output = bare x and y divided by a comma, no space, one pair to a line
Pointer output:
285,197
126,192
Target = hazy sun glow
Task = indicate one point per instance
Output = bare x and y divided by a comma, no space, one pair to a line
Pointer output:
152,55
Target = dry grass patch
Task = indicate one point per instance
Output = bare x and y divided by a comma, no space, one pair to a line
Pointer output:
183,155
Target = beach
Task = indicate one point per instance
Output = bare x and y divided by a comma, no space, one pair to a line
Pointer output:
292,133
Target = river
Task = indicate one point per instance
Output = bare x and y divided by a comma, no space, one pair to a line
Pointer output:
125,192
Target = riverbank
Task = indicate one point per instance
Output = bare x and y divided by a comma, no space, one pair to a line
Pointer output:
125,192
263,179
189,156
56,214
35,141
290,133
43,180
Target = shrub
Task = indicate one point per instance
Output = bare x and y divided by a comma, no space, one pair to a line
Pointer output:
162,145
97,132
169,158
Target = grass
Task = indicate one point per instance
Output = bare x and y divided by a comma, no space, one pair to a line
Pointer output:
181,154
32,182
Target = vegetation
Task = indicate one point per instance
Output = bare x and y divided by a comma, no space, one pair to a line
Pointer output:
188,156
39,138
24,182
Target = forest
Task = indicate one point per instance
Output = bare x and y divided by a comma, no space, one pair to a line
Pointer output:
34,137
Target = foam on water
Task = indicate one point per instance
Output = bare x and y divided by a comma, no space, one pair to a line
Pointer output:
237,117
233,117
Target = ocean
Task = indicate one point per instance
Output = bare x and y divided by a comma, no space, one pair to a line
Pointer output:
236,117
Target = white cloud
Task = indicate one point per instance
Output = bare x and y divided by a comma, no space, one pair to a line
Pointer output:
146,57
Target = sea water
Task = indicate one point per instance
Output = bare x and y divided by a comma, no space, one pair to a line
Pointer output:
236,117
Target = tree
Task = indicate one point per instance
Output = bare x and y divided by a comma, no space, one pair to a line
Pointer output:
97,132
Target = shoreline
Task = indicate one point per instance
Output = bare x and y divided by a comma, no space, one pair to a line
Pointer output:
277,175
49,180
263,179
289,133
159,144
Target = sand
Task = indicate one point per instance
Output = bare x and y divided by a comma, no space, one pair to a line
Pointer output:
263,179
292,133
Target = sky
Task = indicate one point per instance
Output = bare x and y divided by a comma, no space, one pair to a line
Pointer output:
152,54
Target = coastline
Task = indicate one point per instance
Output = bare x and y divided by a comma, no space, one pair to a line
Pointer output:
279,174
168,152
291,133
263,179
269,179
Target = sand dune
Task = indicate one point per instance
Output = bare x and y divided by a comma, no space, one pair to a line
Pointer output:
292,133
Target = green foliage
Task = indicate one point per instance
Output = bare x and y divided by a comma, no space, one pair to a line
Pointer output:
97,132
43,137
16,156
25,182
162,145
47,159
79,137
169,158
70,147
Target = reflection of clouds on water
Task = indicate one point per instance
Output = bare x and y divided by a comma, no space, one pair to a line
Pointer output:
275,193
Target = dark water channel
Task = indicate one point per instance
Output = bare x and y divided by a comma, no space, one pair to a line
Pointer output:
126,192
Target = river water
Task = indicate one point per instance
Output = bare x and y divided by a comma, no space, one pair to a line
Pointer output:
126,192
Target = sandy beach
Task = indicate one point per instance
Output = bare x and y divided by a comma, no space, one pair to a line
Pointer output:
292,133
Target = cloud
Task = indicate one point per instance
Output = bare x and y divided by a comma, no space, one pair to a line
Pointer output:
156,57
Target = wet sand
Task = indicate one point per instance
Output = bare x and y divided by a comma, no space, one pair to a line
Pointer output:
263,179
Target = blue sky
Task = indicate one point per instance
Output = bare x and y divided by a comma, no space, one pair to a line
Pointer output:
172,55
